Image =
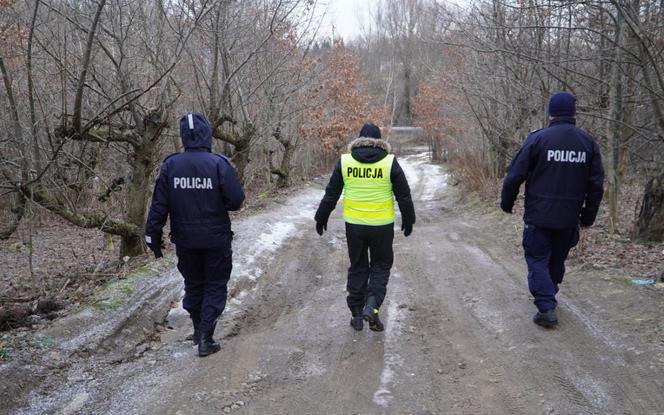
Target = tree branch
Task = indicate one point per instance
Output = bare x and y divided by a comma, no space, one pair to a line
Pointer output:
97,220
78,101
229,137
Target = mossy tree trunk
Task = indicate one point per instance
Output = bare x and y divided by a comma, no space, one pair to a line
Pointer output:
143,161
241,143
283,172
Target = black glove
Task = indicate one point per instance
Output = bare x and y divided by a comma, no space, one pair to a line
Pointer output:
321,227
407,229
584,221
155,245
505,207
157,251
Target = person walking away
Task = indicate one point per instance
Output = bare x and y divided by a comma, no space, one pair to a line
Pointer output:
562,168
196,189
370,178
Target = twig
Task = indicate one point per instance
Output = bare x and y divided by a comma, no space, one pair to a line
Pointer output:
64,286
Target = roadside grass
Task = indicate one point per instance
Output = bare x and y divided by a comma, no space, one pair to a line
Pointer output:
9,343
115,291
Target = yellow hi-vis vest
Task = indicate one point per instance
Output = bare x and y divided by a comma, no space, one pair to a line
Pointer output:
368,197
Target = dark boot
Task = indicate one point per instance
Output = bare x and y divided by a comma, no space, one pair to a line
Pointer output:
370,314
195,321
546,318
194,337
207,345
356,321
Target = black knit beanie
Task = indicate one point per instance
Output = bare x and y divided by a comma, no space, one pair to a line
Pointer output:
562,104
369,130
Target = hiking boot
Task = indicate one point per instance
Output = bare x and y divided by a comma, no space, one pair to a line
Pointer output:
207,345
370,315
193,337
356,321
546,318
195,322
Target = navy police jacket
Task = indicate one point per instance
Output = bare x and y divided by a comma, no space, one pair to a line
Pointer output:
562,168
196,188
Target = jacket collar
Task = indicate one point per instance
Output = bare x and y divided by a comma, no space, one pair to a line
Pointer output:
562,120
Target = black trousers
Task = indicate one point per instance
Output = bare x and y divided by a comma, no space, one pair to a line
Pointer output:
206,273
371,258
546,251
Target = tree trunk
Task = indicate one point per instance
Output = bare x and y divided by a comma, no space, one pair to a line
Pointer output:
650,223
241,146
137,198
18,212
407,115
242,150
434,148
284,169
139,190
241,159
499,155
614,130
437,148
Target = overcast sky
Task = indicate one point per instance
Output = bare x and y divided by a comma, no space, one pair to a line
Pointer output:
348,17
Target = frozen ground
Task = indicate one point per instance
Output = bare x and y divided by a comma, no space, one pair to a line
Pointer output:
459,336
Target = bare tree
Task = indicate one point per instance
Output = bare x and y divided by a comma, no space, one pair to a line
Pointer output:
121,99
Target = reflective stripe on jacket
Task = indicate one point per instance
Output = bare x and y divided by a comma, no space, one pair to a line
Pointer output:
368,196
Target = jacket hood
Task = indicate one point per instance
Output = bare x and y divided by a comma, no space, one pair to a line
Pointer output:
369,142
196,131
369,150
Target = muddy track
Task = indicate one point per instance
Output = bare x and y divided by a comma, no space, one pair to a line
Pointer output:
459,336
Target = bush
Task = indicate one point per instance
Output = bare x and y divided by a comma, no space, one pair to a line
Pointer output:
473,174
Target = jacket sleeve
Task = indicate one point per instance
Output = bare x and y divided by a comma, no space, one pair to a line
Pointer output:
332,193
516,175
595,188
231,189
158,208
401,191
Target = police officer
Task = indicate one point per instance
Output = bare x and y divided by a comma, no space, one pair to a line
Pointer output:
370,178
197,188
562,168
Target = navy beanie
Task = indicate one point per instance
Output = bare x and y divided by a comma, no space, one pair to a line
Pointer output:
562,104
370,130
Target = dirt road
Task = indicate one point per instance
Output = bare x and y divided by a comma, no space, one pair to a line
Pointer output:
459,337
